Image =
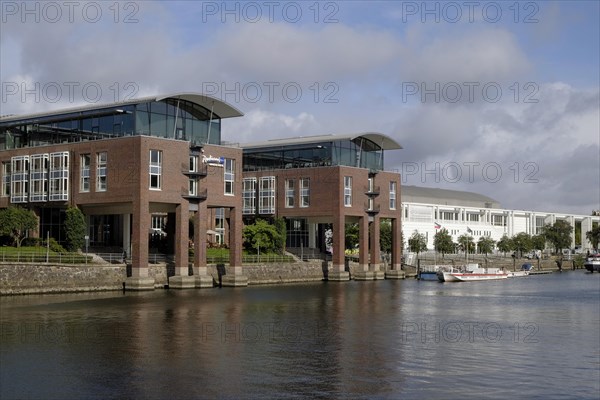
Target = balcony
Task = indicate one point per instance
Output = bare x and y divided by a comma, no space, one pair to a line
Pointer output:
371,208
372,191
200,196
200,173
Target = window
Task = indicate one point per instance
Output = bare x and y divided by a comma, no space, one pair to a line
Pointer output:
290,193
392,195
101,160
155,169
229,176
84,172
38,178
193,163
19,179
5,179
347,191
59,176
193,187
267,195
304,192
249,196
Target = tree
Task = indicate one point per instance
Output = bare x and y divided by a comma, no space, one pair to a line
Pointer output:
466,243
504,244
261,236
559,234
15,222
521,243
75,229
486,245
538,242
385,236
442,242
351,236
282,230
417,243
594,236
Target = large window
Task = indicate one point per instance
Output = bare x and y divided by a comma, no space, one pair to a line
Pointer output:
101,161
229,176
348,191
290,193
193,163
155,169
193,187
38,177
392,195
5,179
19,179
304,192
249,196
267,195
59,176
84,172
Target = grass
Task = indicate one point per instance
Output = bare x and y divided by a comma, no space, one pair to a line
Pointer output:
37,254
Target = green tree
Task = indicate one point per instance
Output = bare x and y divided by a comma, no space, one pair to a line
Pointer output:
466,243
282,230
594,236
16,222
538,242
442,242
485,245
75,229
351,236
417,243
522,243
504,244
385,236
261,236
559,234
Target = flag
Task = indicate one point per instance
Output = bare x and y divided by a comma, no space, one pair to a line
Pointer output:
437,226
469,230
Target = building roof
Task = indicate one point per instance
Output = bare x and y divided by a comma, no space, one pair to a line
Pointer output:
220,108
418,194
386,142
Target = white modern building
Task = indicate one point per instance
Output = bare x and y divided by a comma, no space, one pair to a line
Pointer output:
478,215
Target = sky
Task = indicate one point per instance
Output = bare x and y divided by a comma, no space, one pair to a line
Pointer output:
500,98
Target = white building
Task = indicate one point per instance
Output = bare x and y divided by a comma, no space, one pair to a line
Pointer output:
465,212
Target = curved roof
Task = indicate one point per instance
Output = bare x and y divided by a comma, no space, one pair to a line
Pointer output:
220,108
386,142
418,194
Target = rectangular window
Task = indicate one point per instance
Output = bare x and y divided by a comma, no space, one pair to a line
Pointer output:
85,161
290,193
229,176
59,176
267,195
193,163
101,161
155,169
5,179
19,179
249,196
304,192
392,195
193,187
38,177
347,191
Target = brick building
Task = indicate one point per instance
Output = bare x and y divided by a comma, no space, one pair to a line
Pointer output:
122,164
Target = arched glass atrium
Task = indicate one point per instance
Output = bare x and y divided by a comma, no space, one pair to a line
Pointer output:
362,151
175,117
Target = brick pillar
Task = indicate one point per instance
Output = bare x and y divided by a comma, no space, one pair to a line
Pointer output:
203,279
363,240
139,279
338,272
396,271
182,279
375,250
234,276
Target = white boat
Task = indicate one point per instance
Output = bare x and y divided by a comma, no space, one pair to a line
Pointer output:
592,263
471,272
429,272
525,268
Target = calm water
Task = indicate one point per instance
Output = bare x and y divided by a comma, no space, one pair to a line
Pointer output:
534,337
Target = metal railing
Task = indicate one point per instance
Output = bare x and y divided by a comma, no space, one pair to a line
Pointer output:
43,257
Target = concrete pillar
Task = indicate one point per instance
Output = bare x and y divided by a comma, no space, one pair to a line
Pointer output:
338,272
234,276
396,268
139,279
375,259
201,276
181,279
363,272
312,235
586,226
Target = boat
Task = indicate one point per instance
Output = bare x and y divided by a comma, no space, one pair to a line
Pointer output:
525,269
471,272
592,263
429,272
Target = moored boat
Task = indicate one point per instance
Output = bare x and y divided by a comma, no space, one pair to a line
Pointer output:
471,272
525,269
